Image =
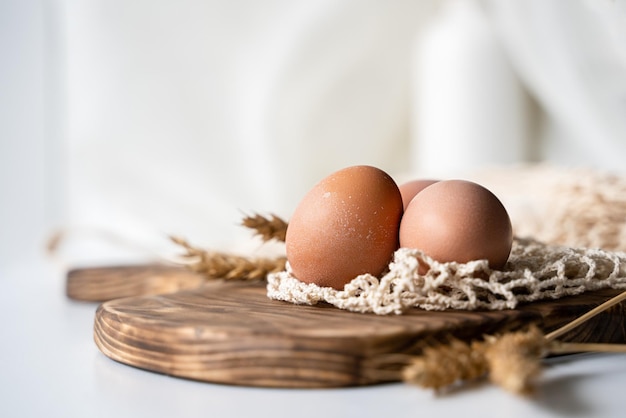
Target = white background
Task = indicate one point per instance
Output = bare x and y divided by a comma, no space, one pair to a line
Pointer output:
154,117
148,118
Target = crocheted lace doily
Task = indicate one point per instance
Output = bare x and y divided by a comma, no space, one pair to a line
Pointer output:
534,271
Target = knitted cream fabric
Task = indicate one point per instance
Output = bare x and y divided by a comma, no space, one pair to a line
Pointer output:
534,271
574,212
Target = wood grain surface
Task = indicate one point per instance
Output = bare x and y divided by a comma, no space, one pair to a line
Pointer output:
230,332
98,284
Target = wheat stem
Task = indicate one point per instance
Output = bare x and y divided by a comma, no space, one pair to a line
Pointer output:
558,347
583,318
218,265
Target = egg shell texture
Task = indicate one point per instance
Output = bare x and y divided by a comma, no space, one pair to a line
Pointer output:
411,188
346,225
457,220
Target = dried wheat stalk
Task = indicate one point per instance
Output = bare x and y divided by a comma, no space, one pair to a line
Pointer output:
267,228
514,359
219,265
511,360
443,365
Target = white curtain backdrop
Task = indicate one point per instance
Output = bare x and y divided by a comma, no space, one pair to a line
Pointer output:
572,57
183,114
159,116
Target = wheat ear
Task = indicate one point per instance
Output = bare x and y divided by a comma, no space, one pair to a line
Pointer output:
219,265
268,228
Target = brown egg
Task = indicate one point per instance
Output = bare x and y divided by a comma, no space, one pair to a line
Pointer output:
347,225
457,220
409,189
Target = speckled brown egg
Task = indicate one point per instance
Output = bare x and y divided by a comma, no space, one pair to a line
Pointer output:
457,220
346,225
409,189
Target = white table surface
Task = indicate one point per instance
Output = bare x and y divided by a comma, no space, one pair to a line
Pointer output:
51,367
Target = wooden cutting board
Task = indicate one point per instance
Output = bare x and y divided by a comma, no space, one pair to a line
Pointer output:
99,284
230,332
